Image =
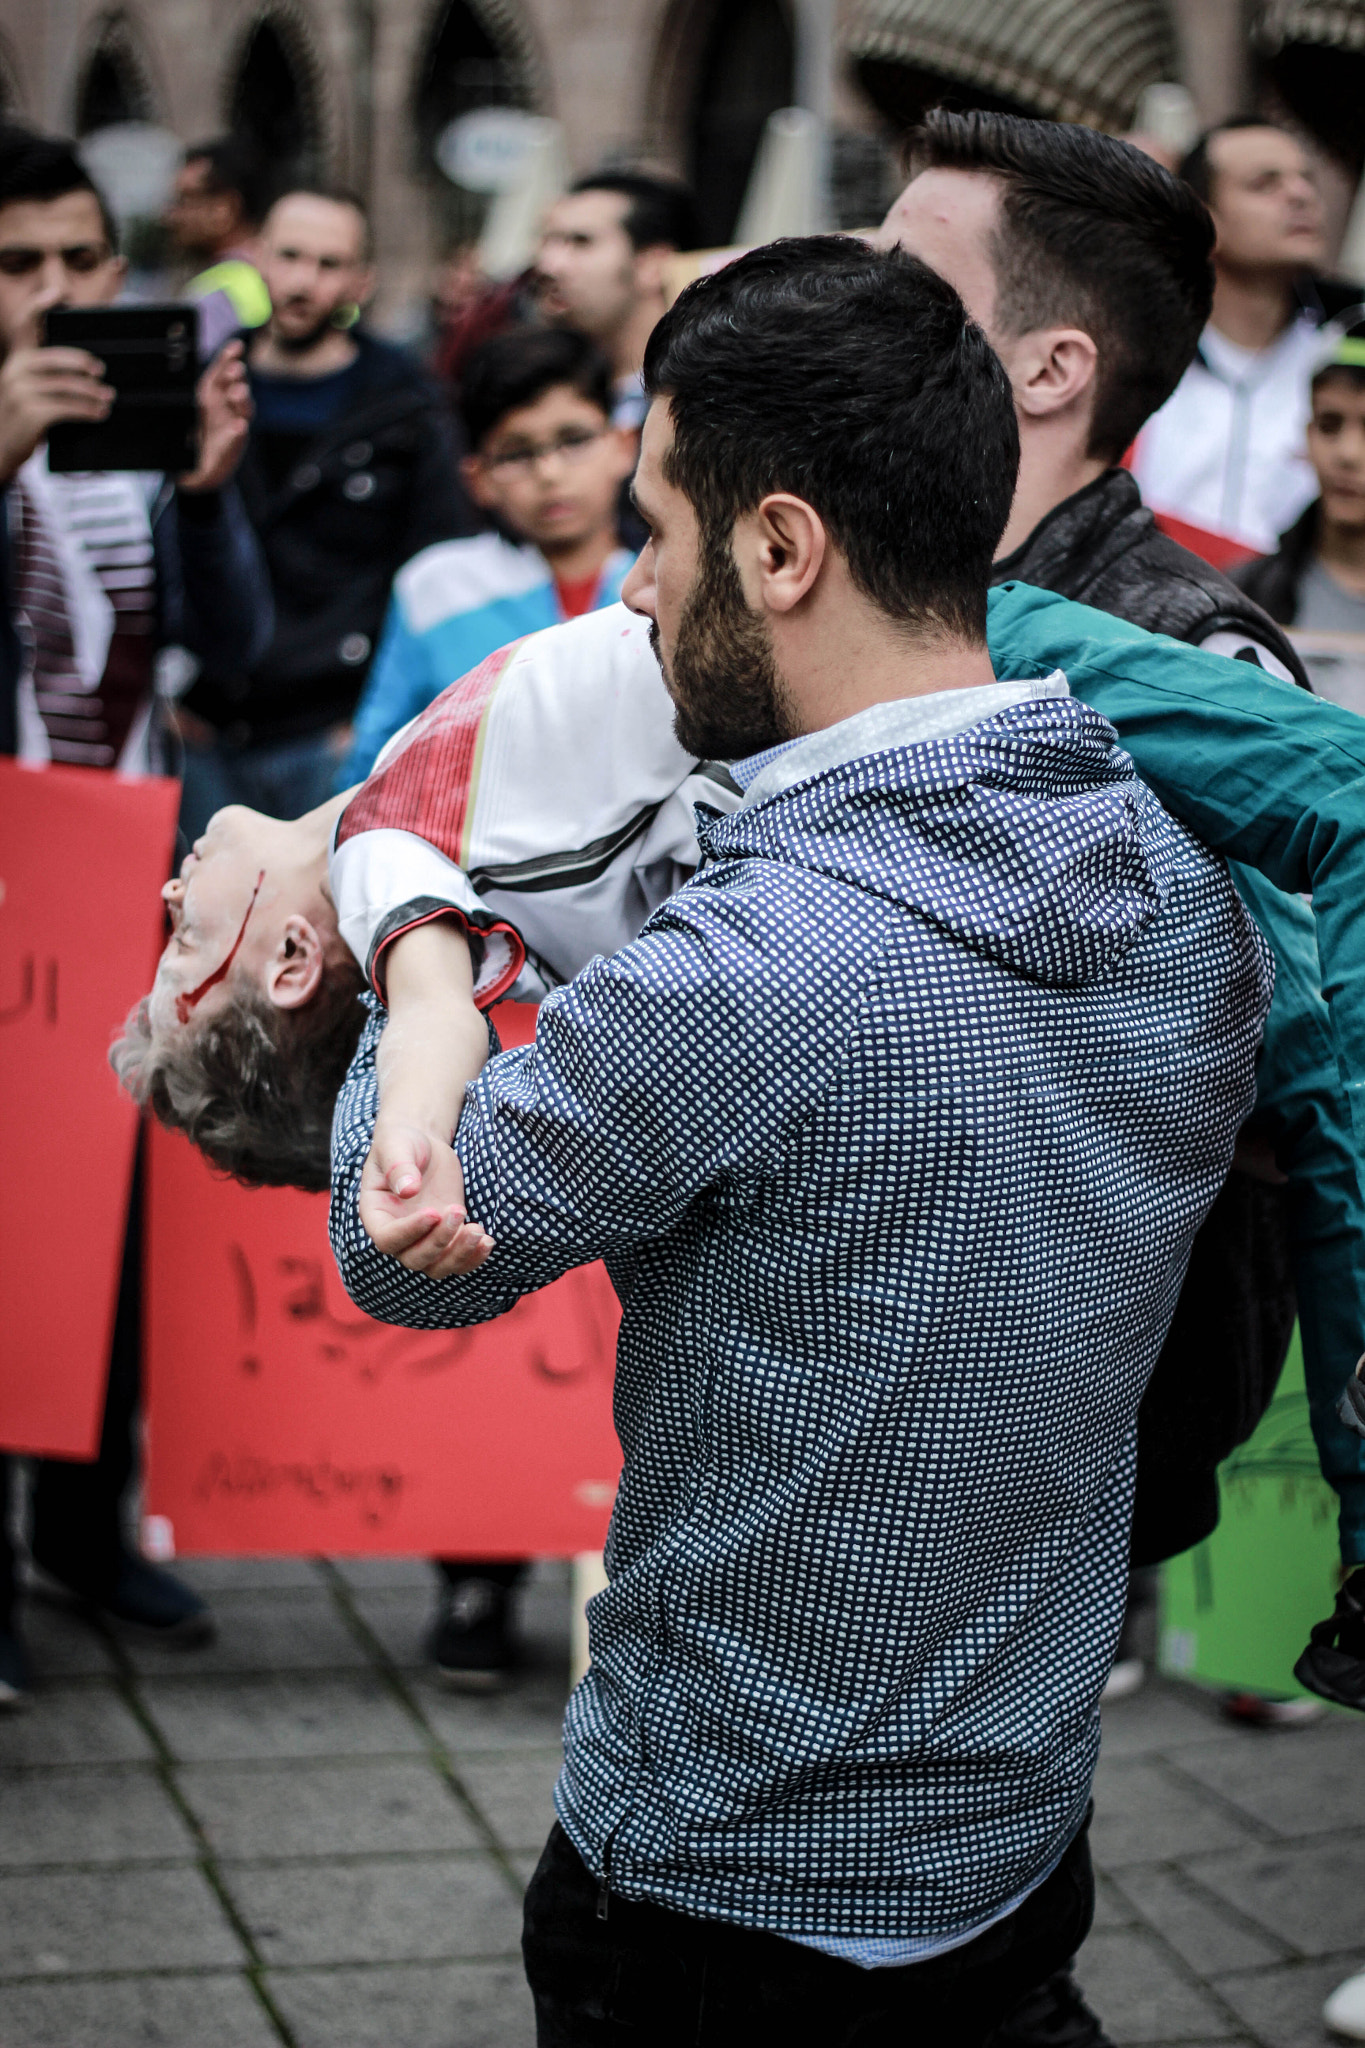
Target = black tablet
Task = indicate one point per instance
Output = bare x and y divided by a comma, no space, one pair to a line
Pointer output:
151,358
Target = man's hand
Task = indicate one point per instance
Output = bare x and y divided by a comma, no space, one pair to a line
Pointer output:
412,1202
38,387
224,421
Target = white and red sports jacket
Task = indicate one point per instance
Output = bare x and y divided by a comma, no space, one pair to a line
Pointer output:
542,799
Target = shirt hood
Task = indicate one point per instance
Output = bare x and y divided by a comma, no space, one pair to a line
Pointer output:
1026,838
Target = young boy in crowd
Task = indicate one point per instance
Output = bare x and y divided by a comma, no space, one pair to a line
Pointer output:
547,468
1315,581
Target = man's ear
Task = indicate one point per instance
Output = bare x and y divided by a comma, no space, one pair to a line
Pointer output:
1052,369
649,266
294,972
780,550
476,482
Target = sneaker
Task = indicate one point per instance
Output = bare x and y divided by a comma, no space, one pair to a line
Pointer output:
1344,2012
471,1643
1334,1662
140,1596
1268,1710
13,1671
1053,2016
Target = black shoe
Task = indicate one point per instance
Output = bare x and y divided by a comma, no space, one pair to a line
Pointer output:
471,1643
13,1670
1053,2016
141,1596
1334,1662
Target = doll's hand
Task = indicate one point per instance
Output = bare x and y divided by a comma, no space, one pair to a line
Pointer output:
412,1202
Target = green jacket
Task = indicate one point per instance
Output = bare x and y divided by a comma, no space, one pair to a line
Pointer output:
1274,779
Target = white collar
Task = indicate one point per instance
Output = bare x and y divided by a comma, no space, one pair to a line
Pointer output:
904,722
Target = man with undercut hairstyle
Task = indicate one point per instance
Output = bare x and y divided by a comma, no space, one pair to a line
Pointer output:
893,1127
1089,266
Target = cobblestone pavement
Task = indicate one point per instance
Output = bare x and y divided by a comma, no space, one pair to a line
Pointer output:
296,1837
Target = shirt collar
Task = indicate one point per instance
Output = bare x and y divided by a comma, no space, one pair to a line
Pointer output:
905,722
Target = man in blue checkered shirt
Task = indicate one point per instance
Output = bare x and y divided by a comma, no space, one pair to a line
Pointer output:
890,1124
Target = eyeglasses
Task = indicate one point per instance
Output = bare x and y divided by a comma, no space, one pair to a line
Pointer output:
85,257
571,446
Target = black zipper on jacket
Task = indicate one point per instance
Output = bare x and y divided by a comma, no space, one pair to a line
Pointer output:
604,1888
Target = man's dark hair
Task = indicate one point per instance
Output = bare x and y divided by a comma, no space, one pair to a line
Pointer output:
234,165
854,379
251,1085
516,369
1096,235
1195,166
335,195
662,212
46,167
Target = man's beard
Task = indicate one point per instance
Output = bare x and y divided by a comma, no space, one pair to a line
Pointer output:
728,699
299,344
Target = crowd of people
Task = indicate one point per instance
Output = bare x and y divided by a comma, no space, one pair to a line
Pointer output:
960,1222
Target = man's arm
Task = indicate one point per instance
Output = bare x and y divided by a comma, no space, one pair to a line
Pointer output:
649,1083
1259,770
434,1044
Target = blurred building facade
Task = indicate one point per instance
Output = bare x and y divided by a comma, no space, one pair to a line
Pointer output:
362,89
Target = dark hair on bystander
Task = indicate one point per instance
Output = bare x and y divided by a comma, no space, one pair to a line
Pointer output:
516,369
1196,167
1095,235
234,165
854,379
662,212
335,195
253,1086
46,167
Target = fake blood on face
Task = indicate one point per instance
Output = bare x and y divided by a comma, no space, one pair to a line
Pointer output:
186,1005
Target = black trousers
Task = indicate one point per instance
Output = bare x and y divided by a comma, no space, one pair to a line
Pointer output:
650,1976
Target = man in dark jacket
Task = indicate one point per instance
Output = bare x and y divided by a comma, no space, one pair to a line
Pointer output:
350,470
144,564
1089,267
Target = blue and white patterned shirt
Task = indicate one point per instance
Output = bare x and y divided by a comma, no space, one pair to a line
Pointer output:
893,1127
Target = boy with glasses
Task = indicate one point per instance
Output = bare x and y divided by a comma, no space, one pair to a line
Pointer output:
546,468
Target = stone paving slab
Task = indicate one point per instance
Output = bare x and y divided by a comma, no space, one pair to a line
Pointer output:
514,1792
399,1909
83,1816
307,1804
1311,1894
1283,2007
296,1629
100,2012
376,1807
72,1922
73,1724
230,1719
1144,1814
1207,1936
1323,1793
462,2005
1143,1995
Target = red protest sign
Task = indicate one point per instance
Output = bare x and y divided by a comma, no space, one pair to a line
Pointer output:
82,856
279,1418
